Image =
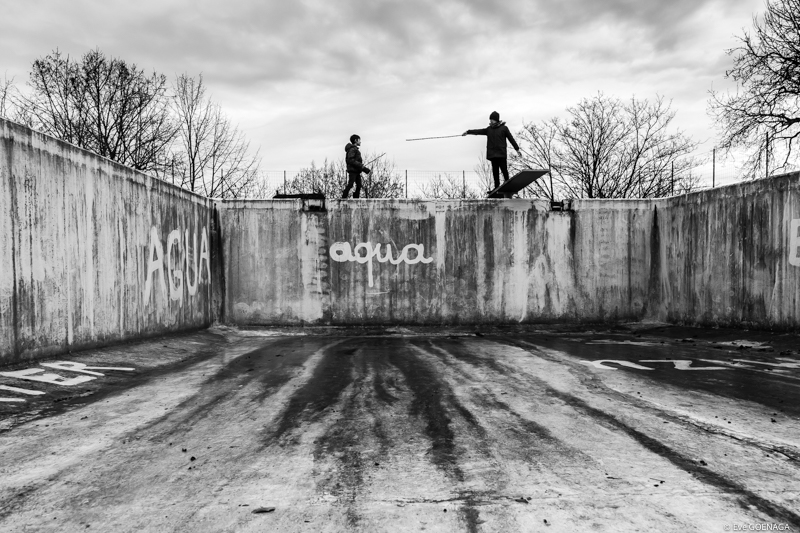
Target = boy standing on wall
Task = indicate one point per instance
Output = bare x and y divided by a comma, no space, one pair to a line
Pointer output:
355,166
496,135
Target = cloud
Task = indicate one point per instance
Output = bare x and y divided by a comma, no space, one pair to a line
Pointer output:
301,75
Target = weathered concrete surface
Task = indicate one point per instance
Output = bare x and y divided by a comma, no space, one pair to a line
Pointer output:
418,262
92,251
727,256
730,255
401,430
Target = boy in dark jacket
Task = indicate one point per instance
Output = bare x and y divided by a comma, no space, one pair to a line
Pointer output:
355,166
496,135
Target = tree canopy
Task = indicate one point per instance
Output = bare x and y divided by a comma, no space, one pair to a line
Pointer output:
102,104
609,148
113,108
762,115
330,179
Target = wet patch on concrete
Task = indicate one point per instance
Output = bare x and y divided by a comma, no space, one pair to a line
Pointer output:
430,396
745,498
457,348
534,440
434,401
150,359
769,387
343,442
382,381
270,367
361,378
332,375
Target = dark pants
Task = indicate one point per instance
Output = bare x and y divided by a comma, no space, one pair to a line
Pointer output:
498,164
353,177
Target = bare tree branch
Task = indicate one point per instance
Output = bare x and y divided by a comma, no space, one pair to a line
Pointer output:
609,149
766,102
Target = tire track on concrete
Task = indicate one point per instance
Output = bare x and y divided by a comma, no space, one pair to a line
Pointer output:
745,498
59,400
346,440
436,407
202,418
266,368
369,381
517,443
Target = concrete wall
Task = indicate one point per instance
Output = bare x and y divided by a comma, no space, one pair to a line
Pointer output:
92,251
730,256
485,261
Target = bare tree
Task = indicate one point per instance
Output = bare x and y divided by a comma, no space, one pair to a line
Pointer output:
609,149
6,96
12,104
331,178
447,185
538,148
102,104
763,115
212,156
384,181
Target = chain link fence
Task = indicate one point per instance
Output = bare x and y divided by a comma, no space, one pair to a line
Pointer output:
710,170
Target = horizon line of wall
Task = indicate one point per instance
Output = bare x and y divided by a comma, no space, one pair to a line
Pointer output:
94,253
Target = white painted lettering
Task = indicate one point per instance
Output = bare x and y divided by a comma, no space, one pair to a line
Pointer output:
21,391
31,374
600,364
387,257
341,252
156,264
780,365
794,242
175,274
82,368
683,364
192,267
420,257
204,257
177,266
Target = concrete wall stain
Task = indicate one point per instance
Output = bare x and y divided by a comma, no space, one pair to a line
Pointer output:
706,258
74,254
86,238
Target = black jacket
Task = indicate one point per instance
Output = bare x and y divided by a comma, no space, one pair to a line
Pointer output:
353,159
496,136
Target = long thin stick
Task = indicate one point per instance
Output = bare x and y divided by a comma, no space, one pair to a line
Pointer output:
367,163
426,138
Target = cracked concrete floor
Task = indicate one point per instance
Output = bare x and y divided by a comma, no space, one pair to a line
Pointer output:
630,428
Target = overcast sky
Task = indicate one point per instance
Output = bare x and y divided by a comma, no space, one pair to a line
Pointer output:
300,76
